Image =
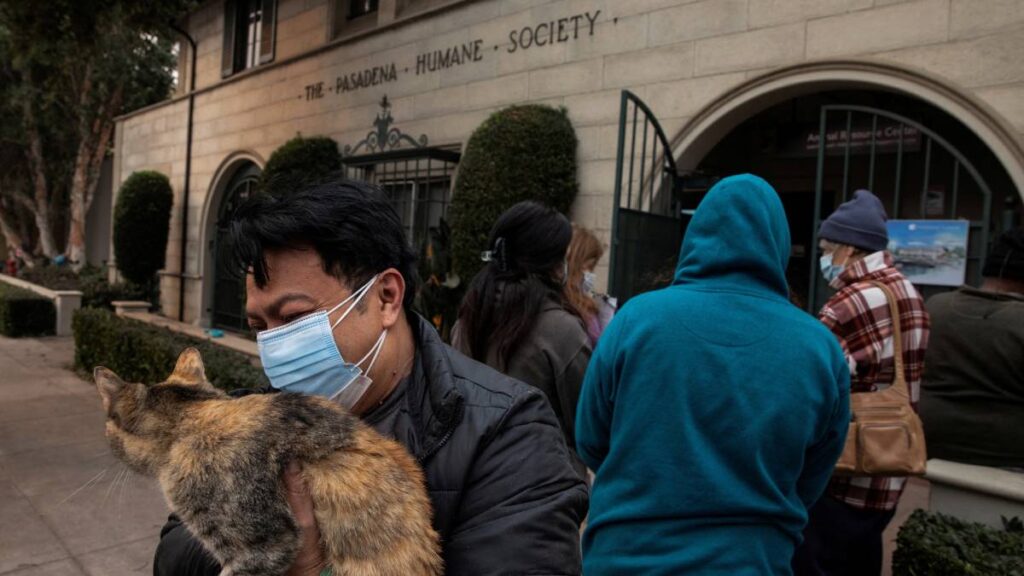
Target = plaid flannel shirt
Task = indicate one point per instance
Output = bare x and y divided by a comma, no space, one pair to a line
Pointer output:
859,317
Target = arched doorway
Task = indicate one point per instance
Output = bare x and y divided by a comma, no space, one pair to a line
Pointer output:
924,164
772,126
227,308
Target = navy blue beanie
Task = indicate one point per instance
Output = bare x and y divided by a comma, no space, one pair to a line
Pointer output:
859,223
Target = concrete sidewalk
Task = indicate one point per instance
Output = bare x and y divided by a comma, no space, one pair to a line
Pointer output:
67,507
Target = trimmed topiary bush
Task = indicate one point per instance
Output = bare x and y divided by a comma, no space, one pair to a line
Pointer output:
934,544
141,222
298,162
519,153
139,352
24,313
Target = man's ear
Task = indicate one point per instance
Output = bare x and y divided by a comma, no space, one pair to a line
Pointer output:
391,291
189,370
109,386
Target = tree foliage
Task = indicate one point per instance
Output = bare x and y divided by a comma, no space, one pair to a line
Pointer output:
67,69
142,217
519,153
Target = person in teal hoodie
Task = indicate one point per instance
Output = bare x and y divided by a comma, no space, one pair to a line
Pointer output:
713,411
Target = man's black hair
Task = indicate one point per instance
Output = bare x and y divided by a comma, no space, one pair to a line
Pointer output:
351,225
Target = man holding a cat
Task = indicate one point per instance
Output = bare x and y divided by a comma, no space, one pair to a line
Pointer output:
330,284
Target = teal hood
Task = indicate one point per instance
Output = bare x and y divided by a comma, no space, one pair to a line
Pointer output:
737,240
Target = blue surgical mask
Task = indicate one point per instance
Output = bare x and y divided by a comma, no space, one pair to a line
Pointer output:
302,357
829,270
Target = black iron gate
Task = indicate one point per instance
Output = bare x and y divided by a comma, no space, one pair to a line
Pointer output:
418,182
648,222
228,285
907,165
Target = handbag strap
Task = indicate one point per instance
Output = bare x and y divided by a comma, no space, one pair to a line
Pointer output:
900,381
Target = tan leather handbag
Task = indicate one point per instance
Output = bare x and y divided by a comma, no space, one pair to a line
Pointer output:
885,437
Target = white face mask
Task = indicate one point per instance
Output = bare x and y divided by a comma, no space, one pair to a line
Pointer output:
302,357
588,282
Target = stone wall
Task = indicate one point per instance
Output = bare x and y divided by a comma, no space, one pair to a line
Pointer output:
677,55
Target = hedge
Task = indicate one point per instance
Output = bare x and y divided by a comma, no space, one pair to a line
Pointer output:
934,544
519,153
97,292
298,162
142,219
24,313
138,352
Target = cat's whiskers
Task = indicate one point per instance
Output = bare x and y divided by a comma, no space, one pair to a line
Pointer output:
128,477
88,483
113,483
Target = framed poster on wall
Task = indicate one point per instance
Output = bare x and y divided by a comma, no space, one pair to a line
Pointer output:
930,252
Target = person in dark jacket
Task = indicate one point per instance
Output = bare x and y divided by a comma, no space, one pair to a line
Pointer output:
972,396
516,315
506,499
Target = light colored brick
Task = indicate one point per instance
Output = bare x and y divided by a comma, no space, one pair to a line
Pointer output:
513,6
611,36
597,107
644,6
775,12
531,59
498,92
439,102
750,50
699,20
495,32
471,71
975,17
1007,101
467,15
597,142
597,177
566,79
686,97
645,66
911,24
994,59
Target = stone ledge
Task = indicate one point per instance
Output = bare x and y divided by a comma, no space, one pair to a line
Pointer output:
231,341
991,481
65,302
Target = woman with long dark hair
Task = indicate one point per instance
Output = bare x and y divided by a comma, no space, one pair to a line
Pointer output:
516,317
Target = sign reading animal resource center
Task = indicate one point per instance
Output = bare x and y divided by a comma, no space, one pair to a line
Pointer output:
535,36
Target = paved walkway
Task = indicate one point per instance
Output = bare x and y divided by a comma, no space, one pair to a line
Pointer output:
67,507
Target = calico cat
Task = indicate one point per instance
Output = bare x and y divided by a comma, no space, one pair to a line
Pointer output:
219,461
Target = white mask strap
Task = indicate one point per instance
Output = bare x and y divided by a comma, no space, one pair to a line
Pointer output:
357,295
375,351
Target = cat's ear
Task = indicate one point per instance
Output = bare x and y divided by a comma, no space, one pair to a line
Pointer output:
189,369
109,386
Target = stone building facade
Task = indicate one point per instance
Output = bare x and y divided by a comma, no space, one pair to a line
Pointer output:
720,76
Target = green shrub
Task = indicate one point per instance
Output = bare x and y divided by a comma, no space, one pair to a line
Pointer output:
142,217
298,162
139,352
24,313
519,153
934,544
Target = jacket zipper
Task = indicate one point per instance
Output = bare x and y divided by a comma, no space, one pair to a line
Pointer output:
440,444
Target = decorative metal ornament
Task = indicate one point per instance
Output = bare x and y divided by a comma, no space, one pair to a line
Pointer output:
384,136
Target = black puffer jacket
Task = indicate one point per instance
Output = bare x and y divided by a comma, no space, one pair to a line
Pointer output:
506,499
